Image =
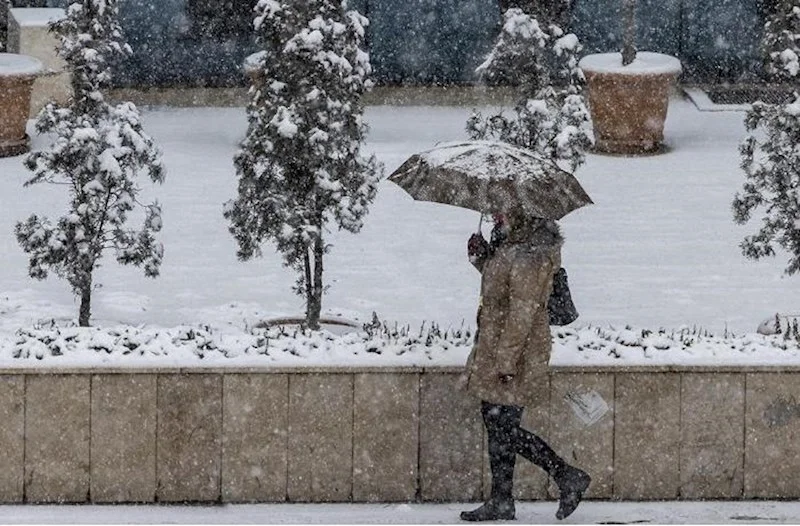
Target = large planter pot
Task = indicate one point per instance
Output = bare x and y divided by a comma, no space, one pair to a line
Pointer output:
17,73
629,104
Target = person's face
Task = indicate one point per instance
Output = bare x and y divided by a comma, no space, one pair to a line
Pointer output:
499,220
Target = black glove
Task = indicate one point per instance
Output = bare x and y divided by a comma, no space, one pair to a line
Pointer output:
477,247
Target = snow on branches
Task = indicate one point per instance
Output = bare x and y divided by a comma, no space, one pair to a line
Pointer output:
770,160
770,157
550,116
97,154
300,166
89,39
782,40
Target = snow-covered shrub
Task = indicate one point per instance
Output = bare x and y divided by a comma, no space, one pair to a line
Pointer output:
550,116
97,155
782,40
770,157
300,167
379,345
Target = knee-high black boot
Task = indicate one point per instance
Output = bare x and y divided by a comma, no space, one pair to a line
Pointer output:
500,422
571,481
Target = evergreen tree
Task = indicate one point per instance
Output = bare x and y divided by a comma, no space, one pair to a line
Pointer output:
770,160
782,40
98,152
300,166
770,157
550,116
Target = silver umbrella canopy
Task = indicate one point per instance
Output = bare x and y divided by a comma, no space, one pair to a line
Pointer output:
489,177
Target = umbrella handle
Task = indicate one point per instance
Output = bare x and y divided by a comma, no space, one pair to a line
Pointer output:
480,224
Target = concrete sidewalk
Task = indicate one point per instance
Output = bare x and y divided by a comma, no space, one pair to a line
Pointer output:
668,512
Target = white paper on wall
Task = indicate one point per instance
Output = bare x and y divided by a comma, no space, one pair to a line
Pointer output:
587,404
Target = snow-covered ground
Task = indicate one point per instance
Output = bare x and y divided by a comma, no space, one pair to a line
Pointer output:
658,249
710,512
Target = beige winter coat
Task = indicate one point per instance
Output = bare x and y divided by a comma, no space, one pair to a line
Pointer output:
514,335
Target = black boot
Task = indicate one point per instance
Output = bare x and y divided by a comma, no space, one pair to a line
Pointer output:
500,422
572,482
491,510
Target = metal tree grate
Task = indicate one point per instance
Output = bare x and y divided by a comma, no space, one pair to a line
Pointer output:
740,95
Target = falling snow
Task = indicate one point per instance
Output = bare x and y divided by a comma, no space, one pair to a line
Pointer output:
655,265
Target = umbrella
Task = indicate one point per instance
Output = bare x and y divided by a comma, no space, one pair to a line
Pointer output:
490,177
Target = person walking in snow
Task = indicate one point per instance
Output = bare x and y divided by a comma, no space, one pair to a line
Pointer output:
508,366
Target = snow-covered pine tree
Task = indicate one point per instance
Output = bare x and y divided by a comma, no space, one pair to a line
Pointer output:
550,116
782,40
769,154
98,152
300,167
770,158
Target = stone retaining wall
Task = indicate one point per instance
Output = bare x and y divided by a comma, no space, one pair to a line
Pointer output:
384,435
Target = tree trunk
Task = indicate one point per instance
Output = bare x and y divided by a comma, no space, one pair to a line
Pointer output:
86,306
308,284
314,309
629,31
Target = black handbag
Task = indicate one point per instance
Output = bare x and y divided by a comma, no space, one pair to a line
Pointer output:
560,307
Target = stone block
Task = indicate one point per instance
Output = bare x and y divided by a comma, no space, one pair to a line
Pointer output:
385,437
29,35
712,445
582,426
12,438
123,438
772,436
320,437
52,87
647,436
189,439
254,437
57,420
451,440
530,481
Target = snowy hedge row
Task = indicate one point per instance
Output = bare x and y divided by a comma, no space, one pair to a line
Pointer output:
193,346
207,346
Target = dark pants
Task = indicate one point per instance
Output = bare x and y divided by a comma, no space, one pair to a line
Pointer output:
507,440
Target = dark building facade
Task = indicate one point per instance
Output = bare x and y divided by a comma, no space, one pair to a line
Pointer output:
203,42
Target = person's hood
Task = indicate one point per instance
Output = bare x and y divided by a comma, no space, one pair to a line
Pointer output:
537,232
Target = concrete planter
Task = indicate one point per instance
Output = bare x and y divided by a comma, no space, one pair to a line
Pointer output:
629,104
17,74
